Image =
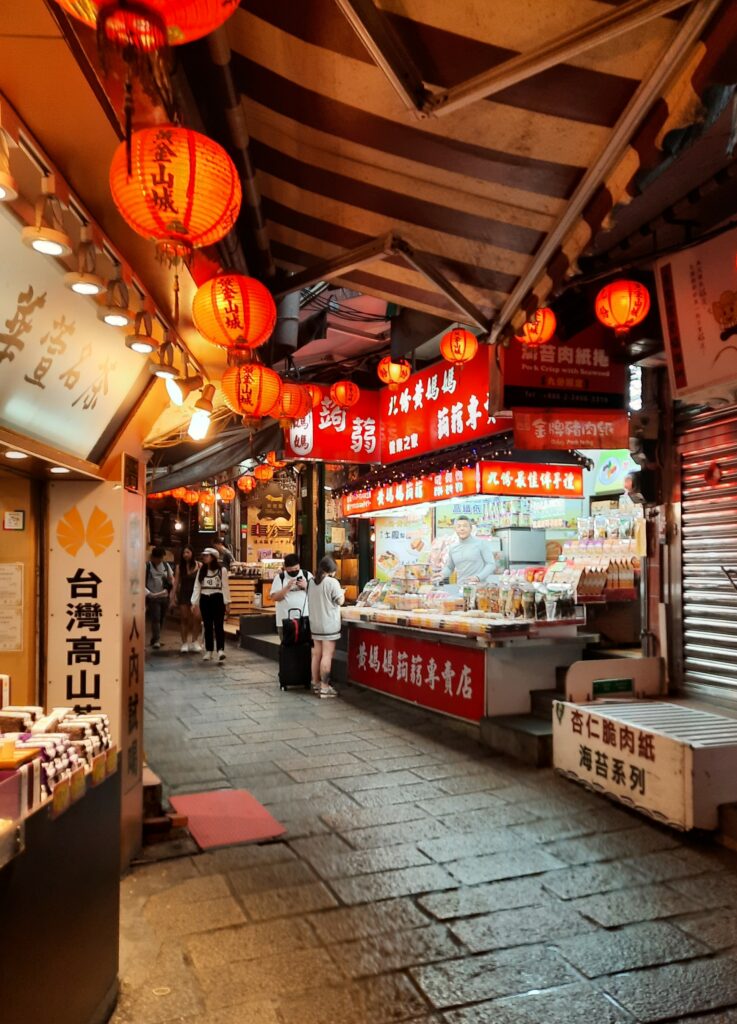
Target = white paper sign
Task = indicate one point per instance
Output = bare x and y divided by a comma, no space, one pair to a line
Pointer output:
11,606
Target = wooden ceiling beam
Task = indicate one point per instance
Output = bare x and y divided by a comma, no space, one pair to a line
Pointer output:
325,270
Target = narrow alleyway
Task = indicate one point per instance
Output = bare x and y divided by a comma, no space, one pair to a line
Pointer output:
420,880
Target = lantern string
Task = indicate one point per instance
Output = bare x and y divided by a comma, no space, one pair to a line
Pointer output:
128,108
176,296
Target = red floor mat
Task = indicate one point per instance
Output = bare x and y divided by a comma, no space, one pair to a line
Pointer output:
226,817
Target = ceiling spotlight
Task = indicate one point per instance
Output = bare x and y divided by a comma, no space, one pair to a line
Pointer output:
115,312
162,364
8,188
84,280
59,469
47,235
142,341
180,389
15,455
200,422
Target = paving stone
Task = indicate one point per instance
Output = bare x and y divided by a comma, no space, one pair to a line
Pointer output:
378,780
574,883
571,1004
381,1000
168,990
397,950
170,919
390,835
269,977
669,864
314,807
249,942
271,876
717,929
302,899
145,880
390,764
629,948
447,769
714,890
350,923
442,805
626,843
481,899
627,906
495,866
725,1017
469,844
492,975
299,762
365,817
675,990
364,862
331,774
387,884
522,926
473,783
487,817
320,848
396,795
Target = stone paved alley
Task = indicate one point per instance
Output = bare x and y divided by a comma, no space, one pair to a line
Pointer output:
421,879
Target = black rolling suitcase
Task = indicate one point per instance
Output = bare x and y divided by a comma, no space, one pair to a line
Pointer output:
295,666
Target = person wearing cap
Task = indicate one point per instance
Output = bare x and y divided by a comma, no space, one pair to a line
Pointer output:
212,596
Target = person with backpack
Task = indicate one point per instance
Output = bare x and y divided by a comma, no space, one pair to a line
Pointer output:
159,583
325,596
289,591
212,596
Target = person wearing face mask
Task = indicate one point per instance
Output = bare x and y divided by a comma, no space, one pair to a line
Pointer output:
288,590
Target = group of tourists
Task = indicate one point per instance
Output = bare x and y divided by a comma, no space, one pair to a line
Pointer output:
198,587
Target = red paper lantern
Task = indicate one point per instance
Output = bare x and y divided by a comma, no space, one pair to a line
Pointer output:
622,305
539,329
234,311
191,497
156,496
150,24
252,390
207,497
246,484
394,374
294,404
183,190
264,473
272,460
179,493
315,393
345,393
458,346
226,492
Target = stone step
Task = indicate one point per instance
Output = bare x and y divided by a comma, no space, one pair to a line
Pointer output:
524,737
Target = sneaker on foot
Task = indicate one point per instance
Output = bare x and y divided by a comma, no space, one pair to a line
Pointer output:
184,648
156,645
221,655
207,655
195,647
328,692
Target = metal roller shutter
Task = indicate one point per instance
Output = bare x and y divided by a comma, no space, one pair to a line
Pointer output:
708,547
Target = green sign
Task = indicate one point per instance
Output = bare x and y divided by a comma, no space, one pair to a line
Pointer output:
605,686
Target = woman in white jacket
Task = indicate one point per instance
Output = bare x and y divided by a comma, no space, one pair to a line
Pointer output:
212,595
324,598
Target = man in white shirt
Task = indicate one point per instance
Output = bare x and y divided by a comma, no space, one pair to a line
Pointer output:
288,590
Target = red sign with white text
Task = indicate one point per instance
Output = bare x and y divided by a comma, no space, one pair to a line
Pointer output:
451,483
438,408
558,429
332,434
446,678
525,479
586,371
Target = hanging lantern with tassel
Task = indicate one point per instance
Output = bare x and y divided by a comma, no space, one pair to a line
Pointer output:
226,492
251,390
272,460
263,473
392,373
191,497
207,498
458,346
179,493
539,329
246,484
345,393
234,311
315,392
622,305
294,404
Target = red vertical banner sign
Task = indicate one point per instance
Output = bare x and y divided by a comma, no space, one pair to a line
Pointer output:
442,677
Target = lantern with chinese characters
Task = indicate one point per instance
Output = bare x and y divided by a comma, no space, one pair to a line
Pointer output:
191,497
622,305
315,393
150,24
246,484
207,498
345,393
272,460
252,390
226,492
539,329
234,311
294,404
179,493
392,373
183,190
263,473
458,346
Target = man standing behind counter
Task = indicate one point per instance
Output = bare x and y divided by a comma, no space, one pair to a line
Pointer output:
472,559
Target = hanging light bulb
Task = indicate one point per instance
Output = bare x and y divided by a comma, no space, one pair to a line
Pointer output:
180,388
200,422
85,280
8,188
47,235
115,312
162,364
142,340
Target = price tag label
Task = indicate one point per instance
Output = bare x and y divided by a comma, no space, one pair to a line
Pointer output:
112,760
99,769
62,798
78,785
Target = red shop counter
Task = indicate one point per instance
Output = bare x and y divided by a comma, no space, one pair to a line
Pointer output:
463,677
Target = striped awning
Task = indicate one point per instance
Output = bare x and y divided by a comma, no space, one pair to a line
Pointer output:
498,197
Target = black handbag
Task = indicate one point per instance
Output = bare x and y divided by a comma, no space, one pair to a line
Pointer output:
296,626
